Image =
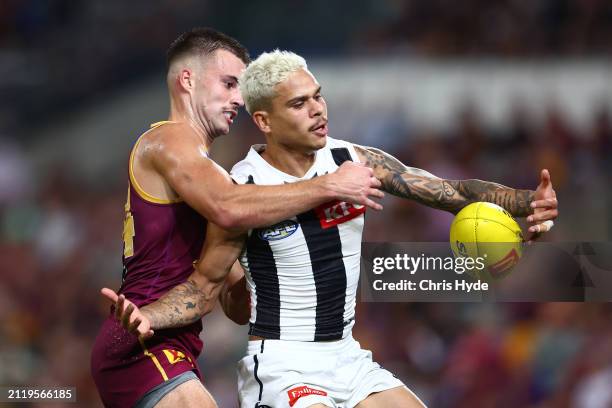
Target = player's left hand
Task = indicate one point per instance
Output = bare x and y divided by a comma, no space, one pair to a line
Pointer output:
129,315
544,207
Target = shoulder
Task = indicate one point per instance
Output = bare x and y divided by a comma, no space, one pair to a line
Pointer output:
171,135
172,143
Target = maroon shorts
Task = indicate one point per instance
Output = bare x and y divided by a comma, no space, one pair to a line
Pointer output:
124,368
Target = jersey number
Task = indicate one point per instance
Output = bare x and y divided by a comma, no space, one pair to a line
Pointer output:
128,230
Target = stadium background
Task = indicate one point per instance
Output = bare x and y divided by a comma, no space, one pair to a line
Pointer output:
472,89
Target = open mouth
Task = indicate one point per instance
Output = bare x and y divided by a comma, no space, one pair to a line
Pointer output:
320,129
230,115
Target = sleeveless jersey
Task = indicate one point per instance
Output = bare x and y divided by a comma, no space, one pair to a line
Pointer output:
161,241
303,272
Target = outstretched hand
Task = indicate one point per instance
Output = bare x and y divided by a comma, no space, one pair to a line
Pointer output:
544,207
130,316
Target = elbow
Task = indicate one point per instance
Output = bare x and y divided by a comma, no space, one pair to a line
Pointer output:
228,218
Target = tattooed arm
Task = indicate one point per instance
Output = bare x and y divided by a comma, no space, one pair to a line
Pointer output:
189,301
449,195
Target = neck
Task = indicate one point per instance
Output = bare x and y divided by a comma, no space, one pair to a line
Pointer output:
181,111
288,160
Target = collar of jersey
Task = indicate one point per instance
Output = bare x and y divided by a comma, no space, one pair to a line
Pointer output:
254,153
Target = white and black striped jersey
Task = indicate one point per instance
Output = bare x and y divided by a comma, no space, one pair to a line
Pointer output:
303,272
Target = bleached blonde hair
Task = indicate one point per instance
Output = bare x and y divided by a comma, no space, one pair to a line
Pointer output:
261,76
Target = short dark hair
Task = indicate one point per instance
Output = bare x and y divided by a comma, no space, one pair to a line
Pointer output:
205,41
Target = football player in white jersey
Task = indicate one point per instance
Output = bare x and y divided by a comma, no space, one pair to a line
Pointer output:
302,274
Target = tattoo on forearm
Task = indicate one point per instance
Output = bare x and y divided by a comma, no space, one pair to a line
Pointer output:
448,195
183,305
516,202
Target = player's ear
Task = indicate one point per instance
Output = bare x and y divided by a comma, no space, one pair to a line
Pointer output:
262,120
186,79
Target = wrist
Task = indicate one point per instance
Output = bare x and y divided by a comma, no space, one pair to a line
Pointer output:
148,315
326,187
530,199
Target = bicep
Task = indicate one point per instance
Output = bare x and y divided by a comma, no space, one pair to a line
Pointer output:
411,182
386,165
393,174
198,180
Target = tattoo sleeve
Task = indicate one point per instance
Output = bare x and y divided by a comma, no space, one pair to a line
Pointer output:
449,195
184,304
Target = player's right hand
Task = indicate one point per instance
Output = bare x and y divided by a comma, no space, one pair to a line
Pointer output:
545,207
130,316
355,183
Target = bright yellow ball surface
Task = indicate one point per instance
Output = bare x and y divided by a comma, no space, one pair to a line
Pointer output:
487,230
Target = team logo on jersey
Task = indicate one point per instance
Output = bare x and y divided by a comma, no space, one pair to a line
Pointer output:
278,231
175,356
337,212
299,392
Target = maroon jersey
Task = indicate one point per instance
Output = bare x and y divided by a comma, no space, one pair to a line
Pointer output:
161,241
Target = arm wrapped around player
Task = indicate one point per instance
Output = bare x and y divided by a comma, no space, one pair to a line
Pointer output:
190,301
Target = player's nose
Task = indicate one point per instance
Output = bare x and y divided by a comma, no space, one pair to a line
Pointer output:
237,99
317,108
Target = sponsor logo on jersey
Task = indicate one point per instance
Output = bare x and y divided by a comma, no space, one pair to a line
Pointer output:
278,231
299,392
338,212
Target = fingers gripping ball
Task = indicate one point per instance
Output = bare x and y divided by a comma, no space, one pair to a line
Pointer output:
488,231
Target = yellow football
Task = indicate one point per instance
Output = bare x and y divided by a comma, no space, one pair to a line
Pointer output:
487,231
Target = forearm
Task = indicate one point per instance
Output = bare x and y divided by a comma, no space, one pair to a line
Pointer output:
190,301
449,195
516,202
184,304
249,206
453,195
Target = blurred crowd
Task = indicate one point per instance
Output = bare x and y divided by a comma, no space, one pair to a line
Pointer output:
508,28
61,242
59,54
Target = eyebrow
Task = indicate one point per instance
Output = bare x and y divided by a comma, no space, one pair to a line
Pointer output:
302,98
231,77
